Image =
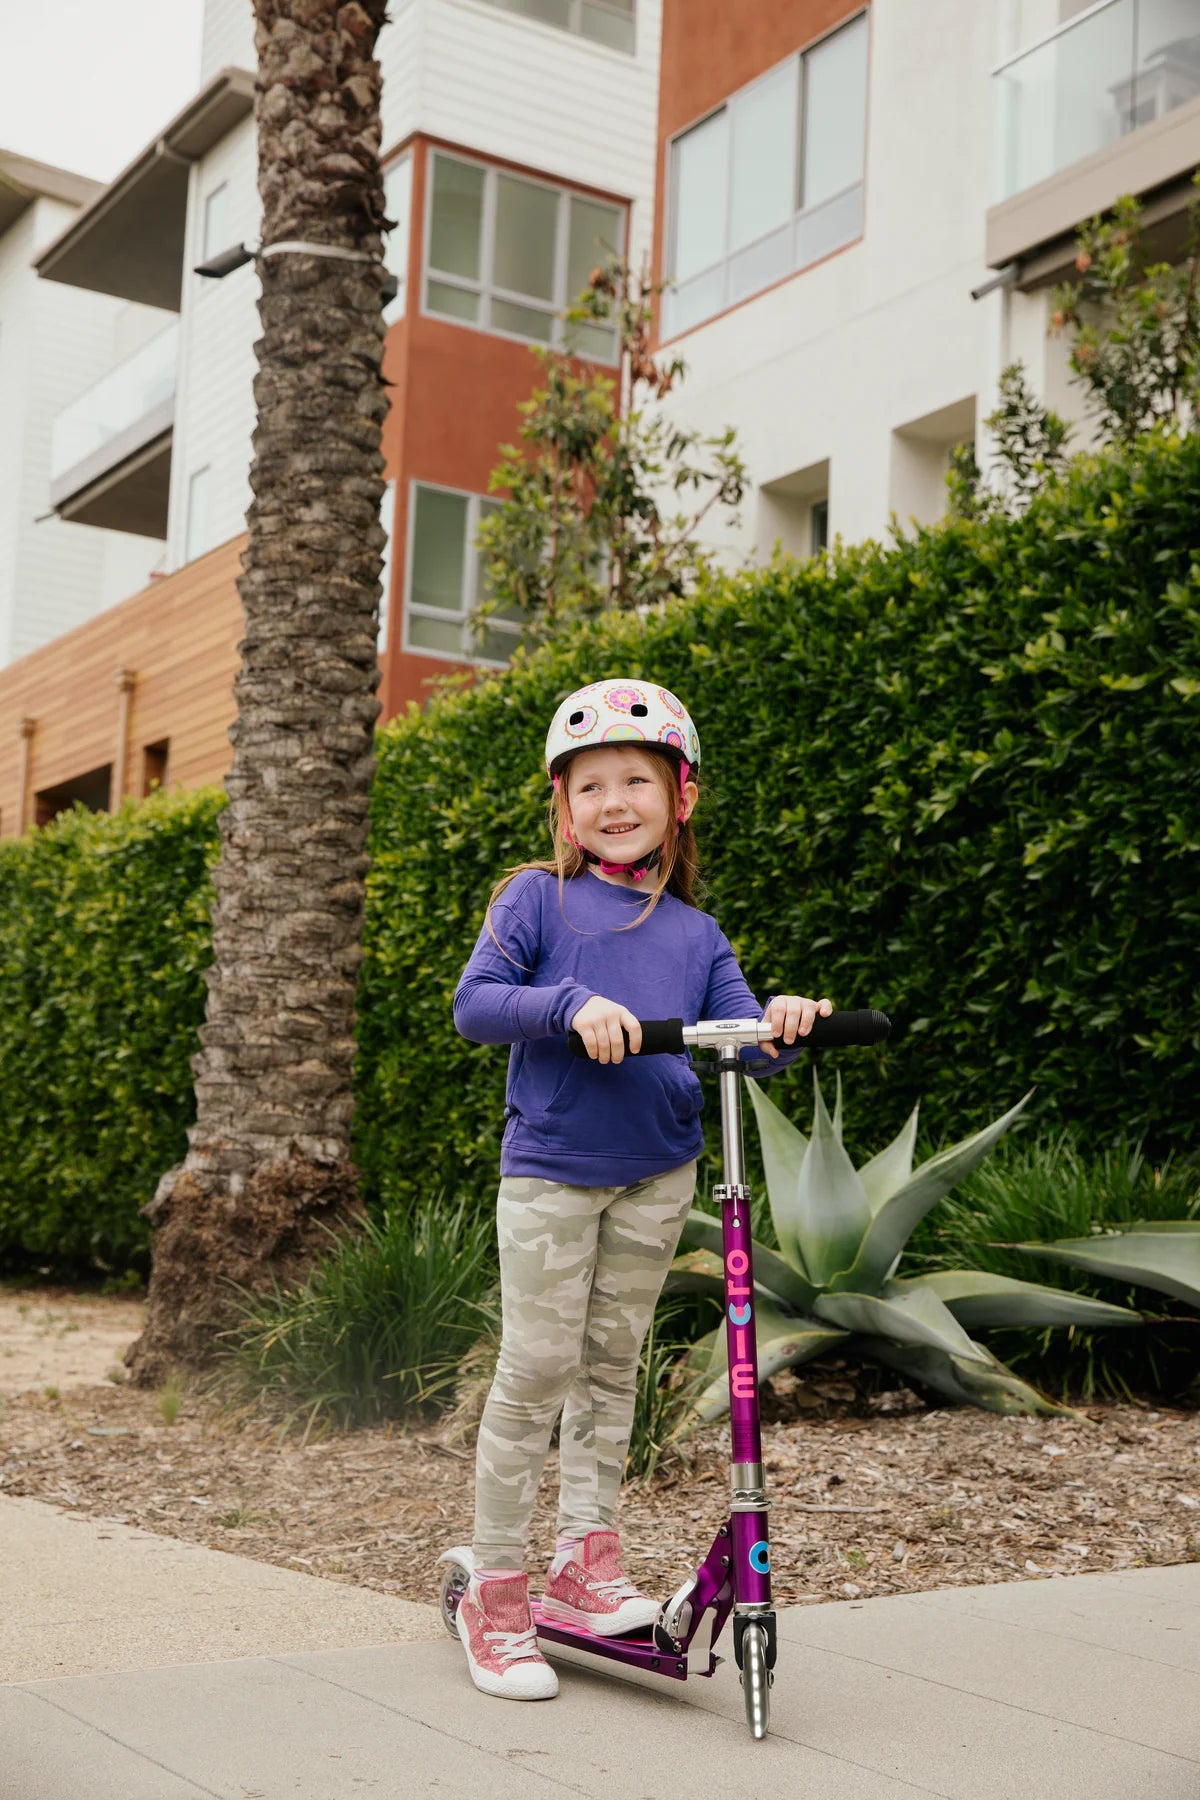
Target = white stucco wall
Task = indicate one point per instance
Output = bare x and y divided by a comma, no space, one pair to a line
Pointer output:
830,364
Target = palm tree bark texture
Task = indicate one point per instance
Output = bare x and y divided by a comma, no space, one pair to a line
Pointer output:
268,1166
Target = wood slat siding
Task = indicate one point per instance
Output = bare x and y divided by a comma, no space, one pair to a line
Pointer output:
179,638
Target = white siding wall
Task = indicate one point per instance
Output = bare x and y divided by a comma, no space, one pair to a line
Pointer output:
228,41
214,415
55,342
508,86
830,363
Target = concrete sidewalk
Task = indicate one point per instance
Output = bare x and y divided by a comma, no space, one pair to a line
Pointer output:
187,1672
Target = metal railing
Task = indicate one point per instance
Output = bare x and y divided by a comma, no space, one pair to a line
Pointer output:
138,388
1099,76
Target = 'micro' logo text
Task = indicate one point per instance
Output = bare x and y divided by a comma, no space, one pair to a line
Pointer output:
738,1301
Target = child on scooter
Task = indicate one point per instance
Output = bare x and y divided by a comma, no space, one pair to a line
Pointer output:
598,1158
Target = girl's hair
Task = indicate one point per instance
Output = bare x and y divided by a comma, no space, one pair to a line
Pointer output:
680,866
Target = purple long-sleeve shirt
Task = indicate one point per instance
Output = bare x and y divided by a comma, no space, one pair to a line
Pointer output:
569,1118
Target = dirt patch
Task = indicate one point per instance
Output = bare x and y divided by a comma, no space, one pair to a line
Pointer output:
63,1338
902,1501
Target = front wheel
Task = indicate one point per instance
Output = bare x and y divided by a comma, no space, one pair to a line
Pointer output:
756,1680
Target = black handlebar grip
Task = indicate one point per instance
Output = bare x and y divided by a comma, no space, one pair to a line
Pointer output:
664,1037
861,1027
660,1037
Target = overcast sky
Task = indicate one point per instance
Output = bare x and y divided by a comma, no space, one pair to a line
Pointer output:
86,84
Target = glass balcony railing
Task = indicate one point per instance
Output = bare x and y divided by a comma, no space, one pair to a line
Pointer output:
136,391
1098,76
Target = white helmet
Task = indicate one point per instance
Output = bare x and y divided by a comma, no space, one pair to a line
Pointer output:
621,711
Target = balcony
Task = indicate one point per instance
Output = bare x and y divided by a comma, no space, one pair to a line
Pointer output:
110,449
1108,103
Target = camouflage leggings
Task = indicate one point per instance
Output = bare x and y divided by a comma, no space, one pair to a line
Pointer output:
580,1271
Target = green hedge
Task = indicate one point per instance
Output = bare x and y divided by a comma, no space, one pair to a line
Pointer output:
104,938
955,778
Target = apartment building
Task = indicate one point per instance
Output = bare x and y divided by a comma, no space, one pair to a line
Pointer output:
860,207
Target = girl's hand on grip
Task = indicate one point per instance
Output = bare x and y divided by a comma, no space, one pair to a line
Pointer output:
600,1024
791,1016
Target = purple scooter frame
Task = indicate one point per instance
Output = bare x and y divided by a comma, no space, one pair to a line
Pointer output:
735,1576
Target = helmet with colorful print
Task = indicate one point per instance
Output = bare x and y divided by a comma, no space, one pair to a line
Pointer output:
621,711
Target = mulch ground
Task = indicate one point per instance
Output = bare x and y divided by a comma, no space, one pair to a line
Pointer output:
901,1500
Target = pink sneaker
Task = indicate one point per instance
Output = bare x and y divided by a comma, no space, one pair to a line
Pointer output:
498,1635
593,1592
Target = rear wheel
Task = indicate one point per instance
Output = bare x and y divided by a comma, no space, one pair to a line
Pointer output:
756,1680
454,1585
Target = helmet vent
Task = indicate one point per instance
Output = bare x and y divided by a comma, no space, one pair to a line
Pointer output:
638,710
576,718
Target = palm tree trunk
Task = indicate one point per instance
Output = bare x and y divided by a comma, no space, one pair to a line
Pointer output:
268,1162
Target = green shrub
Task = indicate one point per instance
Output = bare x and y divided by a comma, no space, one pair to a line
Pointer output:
104,937
955,779
380,1327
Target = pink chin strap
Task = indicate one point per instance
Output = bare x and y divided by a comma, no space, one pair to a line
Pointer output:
635,871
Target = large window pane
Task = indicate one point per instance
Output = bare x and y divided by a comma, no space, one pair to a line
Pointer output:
606,25
701,192
550,12
835,113
522,321
452,302
445,635
456,228
439,535
526,224
763,182
595,236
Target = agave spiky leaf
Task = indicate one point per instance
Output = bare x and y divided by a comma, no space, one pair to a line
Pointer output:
783,1342
1163,1254
702,1272
783,1149
888,1172
979,1300
981,1380
826,1203
891,1227
702,1230
906,1313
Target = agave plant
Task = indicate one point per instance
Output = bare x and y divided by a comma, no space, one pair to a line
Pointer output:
833,1282
1162,1254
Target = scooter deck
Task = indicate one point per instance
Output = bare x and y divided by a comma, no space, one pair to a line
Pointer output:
637,1651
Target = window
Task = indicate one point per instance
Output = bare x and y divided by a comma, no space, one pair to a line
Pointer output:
819,528
90,791
397,204
447,579
218,232
509,255
608,22
196,532
771,182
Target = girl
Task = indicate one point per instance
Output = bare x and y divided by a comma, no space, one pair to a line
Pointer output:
598,1161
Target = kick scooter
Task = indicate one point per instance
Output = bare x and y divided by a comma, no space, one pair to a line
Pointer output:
735,1576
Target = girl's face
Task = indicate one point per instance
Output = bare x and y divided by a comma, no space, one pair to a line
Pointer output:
619,804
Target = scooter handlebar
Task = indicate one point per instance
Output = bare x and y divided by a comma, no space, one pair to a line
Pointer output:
669,1037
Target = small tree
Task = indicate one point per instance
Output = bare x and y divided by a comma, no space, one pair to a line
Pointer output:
1136,323
1135,352
584,527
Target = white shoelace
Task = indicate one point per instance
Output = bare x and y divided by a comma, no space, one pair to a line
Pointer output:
620,1588
511,1646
